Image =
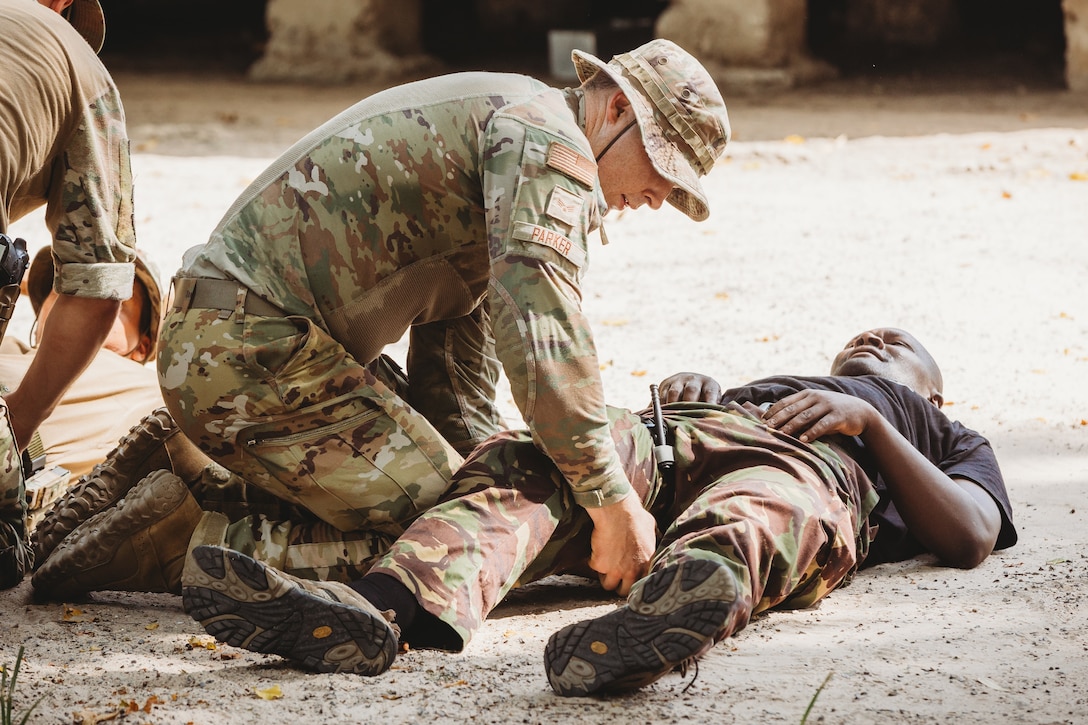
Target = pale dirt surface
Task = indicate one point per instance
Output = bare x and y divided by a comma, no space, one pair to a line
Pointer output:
960,216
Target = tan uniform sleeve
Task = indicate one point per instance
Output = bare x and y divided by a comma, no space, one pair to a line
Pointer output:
90,205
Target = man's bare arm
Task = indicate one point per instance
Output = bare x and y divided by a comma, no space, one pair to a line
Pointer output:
953,518
74,334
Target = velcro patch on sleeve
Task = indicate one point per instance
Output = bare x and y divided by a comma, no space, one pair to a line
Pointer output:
565,206
537,234
567,161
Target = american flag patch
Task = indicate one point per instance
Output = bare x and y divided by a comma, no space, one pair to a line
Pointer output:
568,161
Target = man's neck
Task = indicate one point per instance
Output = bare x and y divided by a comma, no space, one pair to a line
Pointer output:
576,100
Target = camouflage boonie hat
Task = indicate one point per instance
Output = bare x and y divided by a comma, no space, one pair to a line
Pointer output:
680,113
87,18
39,283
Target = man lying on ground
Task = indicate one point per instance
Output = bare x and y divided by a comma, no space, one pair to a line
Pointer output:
762,509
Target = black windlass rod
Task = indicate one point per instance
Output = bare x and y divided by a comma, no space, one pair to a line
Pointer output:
663,452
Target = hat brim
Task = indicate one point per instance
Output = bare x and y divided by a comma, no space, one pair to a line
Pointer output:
39,278
87,18
669,161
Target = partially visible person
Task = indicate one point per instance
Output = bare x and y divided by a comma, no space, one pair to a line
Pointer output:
115,391
64,145
763,508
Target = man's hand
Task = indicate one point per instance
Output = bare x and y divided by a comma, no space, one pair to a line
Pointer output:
624,539
812,414
690,387
953,518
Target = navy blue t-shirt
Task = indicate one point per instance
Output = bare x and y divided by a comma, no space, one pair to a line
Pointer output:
955,449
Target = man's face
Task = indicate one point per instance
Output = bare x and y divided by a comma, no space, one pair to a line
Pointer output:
57,5
125,337
628,178
895,355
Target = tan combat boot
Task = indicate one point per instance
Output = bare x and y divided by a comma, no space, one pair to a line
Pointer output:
155,443
138,545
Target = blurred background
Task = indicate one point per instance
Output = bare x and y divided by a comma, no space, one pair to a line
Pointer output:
754,44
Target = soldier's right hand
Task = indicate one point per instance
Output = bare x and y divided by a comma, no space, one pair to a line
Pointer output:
624,539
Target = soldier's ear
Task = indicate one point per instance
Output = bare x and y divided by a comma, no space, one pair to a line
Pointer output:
937,399
619,108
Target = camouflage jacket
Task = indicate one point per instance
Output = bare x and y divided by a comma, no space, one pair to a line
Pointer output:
423,202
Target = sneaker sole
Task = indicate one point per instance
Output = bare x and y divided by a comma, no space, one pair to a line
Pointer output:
246,604
671,619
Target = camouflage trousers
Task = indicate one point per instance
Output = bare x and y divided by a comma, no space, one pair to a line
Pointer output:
16,555
280,403
788,519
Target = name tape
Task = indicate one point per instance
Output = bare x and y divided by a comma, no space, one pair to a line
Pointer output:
537,234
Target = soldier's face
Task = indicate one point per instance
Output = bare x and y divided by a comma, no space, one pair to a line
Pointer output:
56,5
628,178
125,337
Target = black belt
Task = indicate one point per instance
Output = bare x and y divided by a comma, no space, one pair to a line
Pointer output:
225,295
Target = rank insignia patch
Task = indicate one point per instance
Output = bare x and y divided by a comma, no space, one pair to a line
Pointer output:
564,206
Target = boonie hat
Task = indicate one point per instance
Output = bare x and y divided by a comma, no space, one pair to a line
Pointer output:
39,283
87,18
680,114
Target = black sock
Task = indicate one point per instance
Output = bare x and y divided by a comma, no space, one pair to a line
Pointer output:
418,627
386,592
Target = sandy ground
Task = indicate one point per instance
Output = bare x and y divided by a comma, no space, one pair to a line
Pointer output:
959,215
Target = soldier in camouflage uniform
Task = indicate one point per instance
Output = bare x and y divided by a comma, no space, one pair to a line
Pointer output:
779,492
64,144
457,209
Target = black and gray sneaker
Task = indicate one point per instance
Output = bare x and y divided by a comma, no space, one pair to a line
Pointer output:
324,626
670,617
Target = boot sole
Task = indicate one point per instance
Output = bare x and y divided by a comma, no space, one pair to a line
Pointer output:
70,571
93,494
246,604
671,619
